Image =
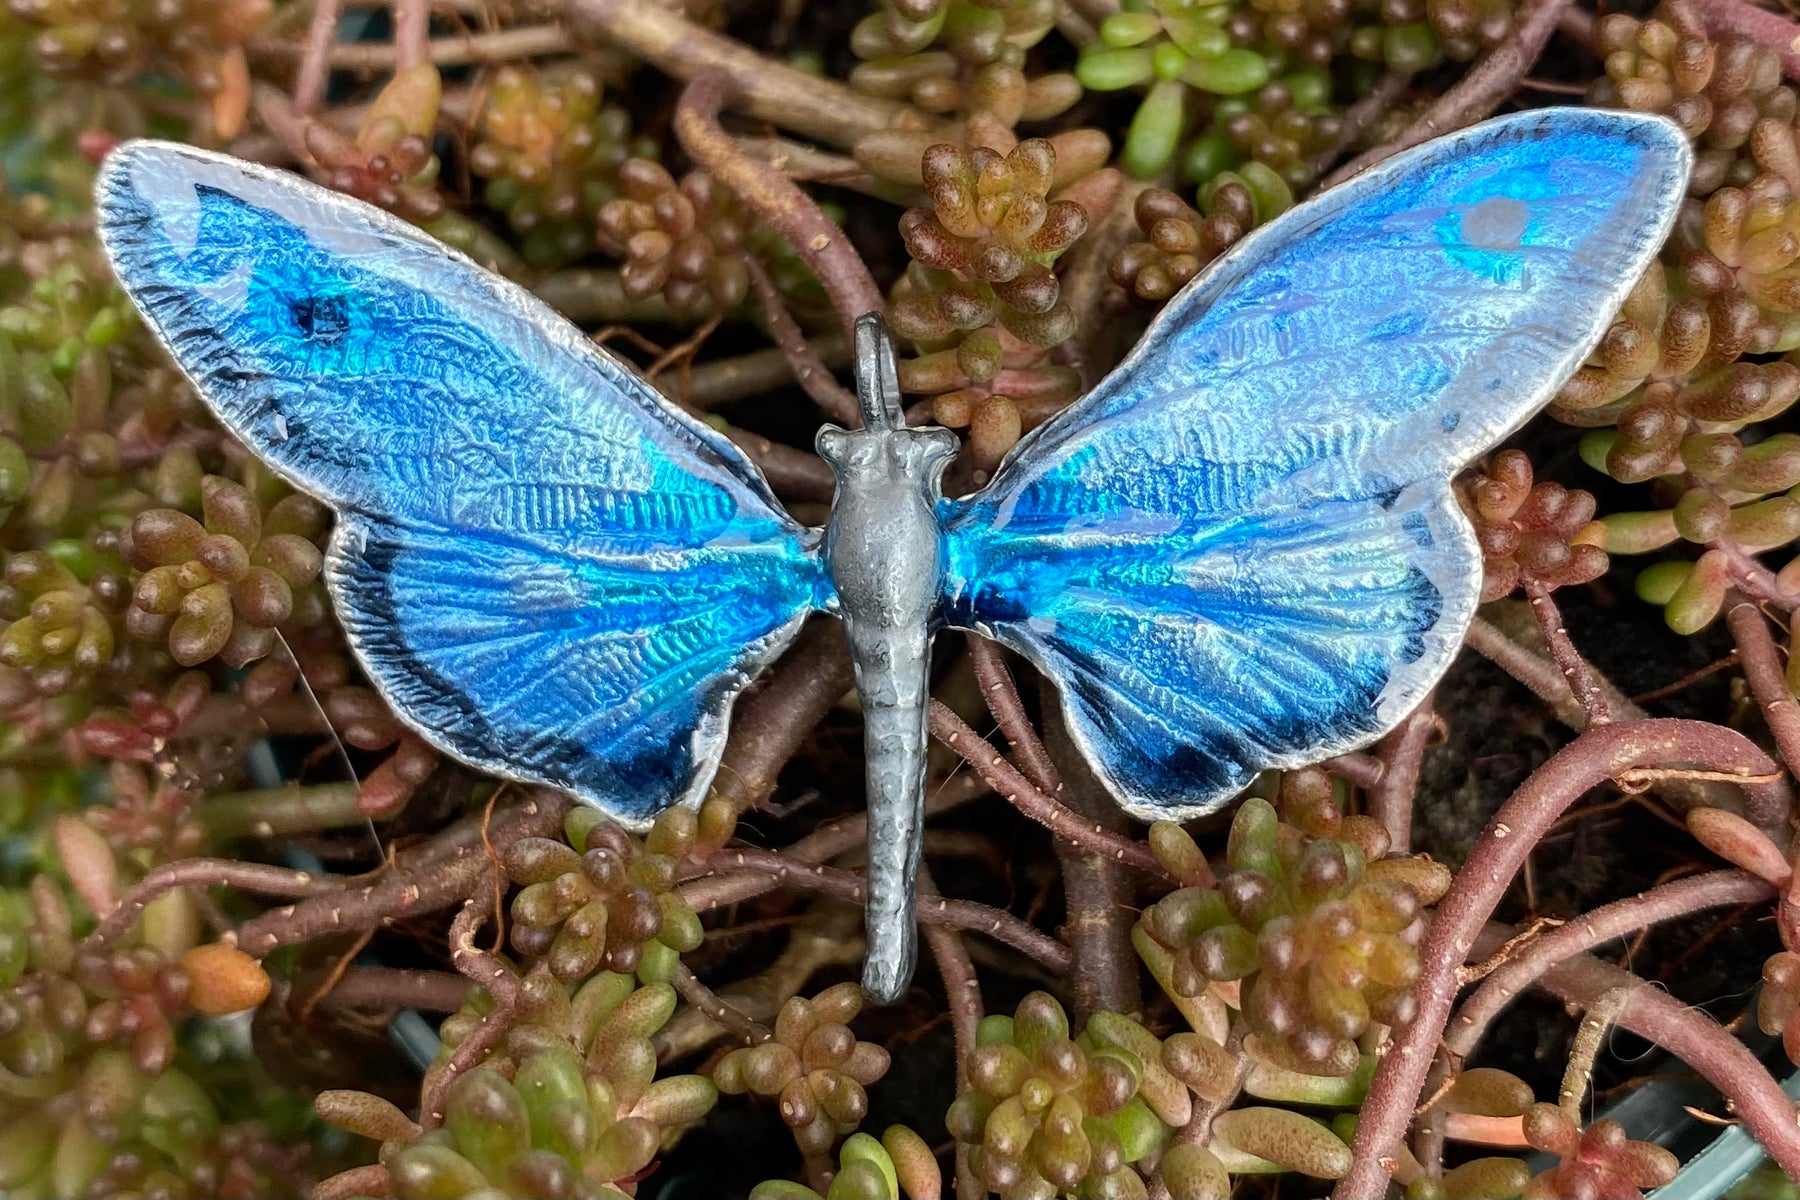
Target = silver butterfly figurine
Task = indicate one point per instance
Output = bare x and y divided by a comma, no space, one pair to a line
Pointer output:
1239,551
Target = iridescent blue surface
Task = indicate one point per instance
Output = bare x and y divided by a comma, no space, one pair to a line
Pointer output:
1240,551
546,568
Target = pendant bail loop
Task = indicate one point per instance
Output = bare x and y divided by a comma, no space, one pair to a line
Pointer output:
877,381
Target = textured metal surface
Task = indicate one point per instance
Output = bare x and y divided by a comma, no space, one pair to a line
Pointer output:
886,556
1240,551
548,571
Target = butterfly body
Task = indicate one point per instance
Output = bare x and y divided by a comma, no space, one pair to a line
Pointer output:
1239,551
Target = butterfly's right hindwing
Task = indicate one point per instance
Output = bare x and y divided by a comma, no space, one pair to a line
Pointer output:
549,570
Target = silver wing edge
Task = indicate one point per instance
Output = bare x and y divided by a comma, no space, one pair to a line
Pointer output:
709,736
552,324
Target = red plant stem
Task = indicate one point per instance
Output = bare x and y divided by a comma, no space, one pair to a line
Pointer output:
1001,694
1364,770
1059,819
315,70
1596,756
962,988
383,988
412,34
932,910
795,474
775,198
485,970
471,1052
1715,889
201,872
809,372
1698,1041
1401,754
426,885
1726,18
1574,668
1098,892
455,50
1768,683
711,890
732,1019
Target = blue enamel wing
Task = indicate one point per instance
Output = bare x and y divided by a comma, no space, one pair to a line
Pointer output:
1239,551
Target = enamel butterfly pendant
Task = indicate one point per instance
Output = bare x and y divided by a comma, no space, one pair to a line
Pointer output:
1239,551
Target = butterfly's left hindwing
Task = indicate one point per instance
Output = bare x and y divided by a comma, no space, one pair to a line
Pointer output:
1240,551
547,569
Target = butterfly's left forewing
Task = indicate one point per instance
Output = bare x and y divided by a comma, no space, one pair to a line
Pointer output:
1241,551
547,569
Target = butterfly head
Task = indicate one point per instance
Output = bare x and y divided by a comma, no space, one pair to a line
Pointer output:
884,453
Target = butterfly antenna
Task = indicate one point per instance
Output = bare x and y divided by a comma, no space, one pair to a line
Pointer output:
337,743
877,381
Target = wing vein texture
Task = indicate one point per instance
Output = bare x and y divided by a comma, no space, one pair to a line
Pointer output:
547,570
1241,551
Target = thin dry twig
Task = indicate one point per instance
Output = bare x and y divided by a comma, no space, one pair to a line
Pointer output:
1589,1036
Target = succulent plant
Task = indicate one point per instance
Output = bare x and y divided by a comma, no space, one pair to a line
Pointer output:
613,904
221,585
899,1165
980,299
1173,46
683,240
389,163
1717,90
1599,1160
1047,1113
815,1068
550,153
1321,930
569,1105
1179,241
1531,532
